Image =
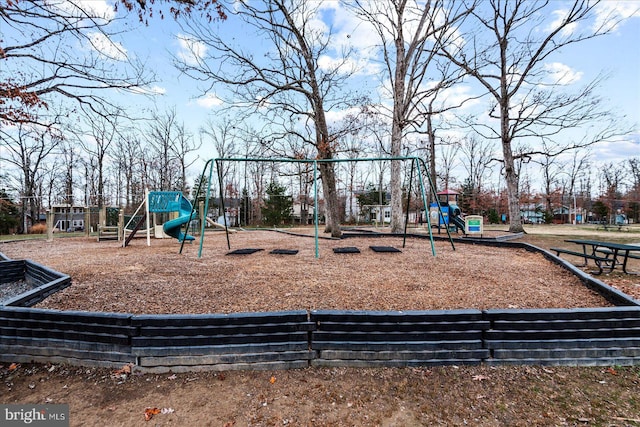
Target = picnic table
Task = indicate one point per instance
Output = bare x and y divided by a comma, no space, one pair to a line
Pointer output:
607,255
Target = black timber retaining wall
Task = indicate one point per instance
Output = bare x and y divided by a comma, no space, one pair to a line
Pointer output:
593,336
411,338
278,340
43,280
295,339
77,338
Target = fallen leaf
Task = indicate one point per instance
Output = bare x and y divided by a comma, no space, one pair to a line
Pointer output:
272,380
150,412
126,369
611,371
13,366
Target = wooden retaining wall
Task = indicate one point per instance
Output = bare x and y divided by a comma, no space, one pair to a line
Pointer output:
222,342
298,339
593,336
411,338
44,281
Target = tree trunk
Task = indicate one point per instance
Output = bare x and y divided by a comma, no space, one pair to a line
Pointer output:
397,218
511,179
332,207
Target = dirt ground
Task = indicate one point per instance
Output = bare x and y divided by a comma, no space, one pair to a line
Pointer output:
157,279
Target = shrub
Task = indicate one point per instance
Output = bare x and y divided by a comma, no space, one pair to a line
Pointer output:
38,229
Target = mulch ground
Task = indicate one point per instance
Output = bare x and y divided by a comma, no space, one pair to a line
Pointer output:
157,279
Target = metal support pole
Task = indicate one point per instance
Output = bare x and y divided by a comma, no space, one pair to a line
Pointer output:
224,213
206,200
406,218
315,205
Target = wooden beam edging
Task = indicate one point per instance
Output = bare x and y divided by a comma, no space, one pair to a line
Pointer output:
299,339
45,281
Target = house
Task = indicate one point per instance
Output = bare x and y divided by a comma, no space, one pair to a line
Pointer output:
67,217
532,214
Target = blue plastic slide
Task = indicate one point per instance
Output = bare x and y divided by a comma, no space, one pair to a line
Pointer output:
174,226
458,222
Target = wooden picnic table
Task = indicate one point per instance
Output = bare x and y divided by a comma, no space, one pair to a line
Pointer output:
605,254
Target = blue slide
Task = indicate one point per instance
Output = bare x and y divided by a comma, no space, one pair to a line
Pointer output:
458,222
173,227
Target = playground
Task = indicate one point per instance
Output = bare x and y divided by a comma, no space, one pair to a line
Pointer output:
156,279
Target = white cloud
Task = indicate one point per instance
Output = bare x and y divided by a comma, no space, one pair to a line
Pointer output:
610,14
560,16
191,51
618,150
153,90
85,8
210,100
562,74
336,116
107,47
157,90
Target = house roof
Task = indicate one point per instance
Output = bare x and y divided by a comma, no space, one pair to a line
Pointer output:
448,192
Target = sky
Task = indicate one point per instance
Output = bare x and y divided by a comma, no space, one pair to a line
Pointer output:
162,40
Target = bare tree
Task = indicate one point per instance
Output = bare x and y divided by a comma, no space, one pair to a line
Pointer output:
477,155
221,136
184,144
170,144
611,180
634,193
101,134
40,62
127,156
448,161
28,147
288,77
634,168
406,30
530,97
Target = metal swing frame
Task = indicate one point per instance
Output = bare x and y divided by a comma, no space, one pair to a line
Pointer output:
416,163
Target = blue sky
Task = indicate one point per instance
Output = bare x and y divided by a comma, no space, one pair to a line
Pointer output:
159,42
617,54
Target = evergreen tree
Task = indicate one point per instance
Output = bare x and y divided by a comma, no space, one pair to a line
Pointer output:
466,202
371,196
600,210
278,207
494,218
9,213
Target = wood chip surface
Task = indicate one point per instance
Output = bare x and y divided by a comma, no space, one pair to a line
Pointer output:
157,279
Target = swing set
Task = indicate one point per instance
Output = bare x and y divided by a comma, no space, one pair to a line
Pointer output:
417,164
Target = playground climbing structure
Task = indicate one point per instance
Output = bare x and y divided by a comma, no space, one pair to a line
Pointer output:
164,202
